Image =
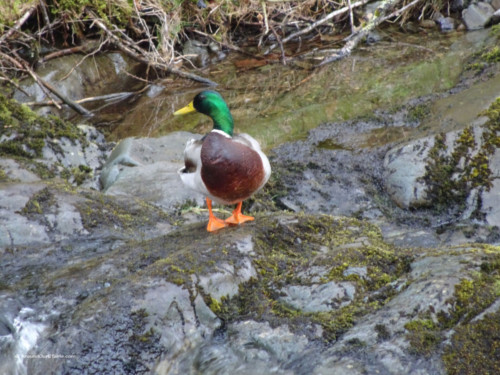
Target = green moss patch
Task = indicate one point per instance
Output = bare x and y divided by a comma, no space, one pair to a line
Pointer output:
419,112
334,244
492,55
39,202
451,176
475,348
424,336
3,175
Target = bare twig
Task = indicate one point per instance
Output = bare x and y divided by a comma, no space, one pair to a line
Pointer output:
84,48
283,56
46,19
351,17
264,13
115,97
4,78
12,60
323,20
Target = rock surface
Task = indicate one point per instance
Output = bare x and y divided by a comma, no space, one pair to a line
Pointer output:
404,166
147,168
477,15
117,304
446,23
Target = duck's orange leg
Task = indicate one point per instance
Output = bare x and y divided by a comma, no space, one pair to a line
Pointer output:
214,223
237,217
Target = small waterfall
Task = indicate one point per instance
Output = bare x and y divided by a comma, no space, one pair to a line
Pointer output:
18,335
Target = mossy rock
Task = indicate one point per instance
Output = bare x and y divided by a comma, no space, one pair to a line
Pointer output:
285,247
452,174
26,133
474,347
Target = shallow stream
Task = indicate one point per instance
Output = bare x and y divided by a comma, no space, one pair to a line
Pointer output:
277,103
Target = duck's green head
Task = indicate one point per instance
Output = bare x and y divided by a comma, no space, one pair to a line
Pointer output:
213,105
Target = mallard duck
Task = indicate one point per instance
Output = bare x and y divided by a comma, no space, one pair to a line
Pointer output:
225,168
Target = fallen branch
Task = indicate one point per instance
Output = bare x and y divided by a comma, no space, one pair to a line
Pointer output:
355,38
42,83
283,55
75,106
85,48
115,96
142,57
327,18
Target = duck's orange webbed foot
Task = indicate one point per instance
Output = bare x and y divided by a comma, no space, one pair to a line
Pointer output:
214,223
237,217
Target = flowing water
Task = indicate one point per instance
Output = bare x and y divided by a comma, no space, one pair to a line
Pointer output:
18,336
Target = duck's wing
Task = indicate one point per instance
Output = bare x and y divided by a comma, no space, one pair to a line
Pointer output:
251,142
247,140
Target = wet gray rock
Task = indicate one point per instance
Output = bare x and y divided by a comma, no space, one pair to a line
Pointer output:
491,204
446,23
16,229
403,168
373,37
107,306
387,353
459,5
201,54
64,157
147,168
315,298
496,17
477,15
224,282
14,171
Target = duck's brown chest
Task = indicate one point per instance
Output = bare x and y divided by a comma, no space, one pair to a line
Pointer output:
230,170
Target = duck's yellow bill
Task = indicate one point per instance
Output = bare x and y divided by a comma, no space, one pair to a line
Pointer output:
187,109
